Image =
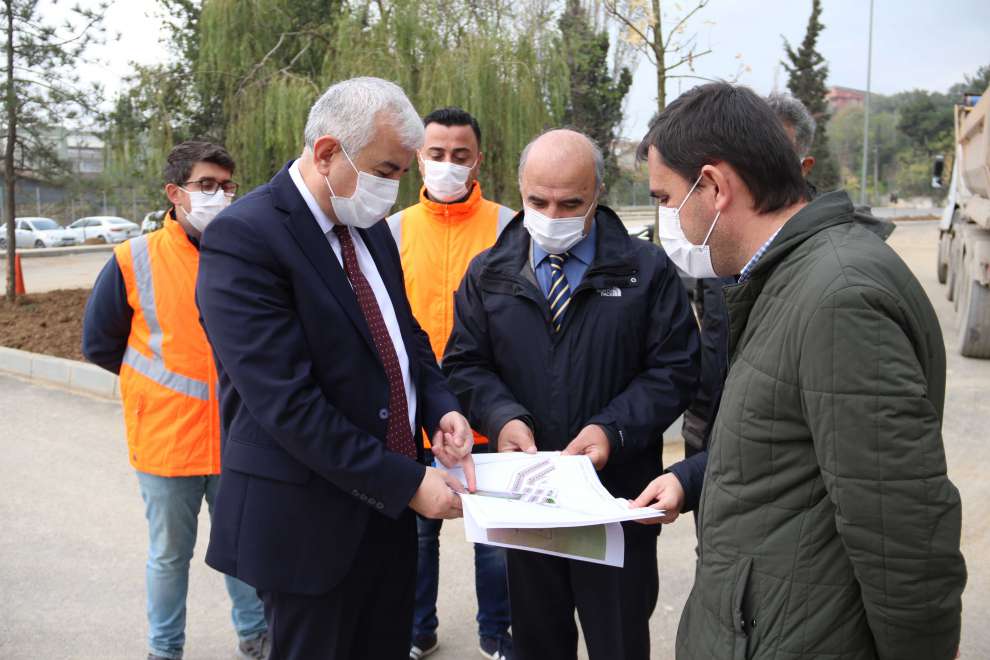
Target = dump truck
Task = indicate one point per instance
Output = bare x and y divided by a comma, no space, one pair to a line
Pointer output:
964,231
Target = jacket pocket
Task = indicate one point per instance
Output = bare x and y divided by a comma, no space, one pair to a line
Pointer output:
268,462
740,624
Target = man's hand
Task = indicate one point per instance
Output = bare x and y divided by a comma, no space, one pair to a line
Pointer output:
591,442
437,496
663,493
452,445
516,436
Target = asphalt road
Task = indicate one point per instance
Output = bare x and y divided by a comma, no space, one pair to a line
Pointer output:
66,271
73,539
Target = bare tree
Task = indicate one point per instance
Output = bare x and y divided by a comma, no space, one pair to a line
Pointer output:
41,92
662,37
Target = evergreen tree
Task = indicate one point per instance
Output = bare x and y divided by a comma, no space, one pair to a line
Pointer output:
808,71
595,105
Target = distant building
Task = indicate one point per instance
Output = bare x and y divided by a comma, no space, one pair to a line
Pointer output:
840,97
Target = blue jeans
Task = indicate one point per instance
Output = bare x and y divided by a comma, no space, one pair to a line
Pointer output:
171,505
489,583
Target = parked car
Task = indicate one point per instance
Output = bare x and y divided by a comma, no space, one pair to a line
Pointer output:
153,222
38,233
103,229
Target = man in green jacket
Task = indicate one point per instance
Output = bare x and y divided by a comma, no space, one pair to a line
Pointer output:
828,525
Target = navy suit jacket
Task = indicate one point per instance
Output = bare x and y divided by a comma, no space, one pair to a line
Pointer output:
303,394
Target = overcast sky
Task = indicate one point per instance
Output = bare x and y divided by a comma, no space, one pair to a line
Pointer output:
927,44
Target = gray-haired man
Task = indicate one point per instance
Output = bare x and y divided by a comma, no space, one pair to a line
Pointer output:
325,382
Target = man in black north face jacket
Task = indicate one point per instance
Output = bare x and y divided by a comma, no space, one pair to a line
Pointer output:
602,374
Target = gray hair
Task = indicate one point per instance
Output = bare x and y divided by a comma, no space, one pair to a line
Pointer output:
349,109
596,154
791,112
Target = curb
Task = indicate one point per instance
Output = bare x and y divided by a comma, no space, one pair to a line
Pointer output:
69,374
32,253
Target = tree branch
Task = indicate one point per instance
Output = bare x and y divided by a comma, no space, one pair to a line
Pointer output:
687,58
612,9
687,16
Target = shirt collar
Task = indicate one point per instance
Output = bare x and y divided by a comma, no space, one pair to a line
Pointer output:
583,250
751,264
326,225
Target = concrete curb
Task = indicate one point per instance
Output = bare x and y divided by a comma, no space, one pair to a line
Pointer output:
70,374
31,253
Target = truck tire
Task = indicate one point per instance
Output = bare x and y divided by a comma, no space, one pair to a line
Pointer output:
973,302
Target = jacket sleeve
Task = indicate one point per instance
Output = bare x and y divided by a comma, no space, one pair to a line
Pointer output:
247,305
877,437
107,320
691,473
662,390
469,364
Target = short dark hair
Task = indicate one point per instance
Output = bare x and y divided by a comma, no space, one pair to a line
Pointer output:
721,122
452,116
183,156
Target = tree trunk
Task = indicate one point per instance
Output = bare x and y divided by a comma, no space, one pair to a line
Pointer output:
8,157
659,51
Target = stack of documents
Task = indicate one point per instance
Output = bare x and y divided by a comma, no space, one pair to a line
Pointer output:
546,503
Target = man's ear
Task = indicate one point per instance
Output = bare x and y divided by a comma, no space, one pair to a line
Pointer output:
324,149
721,183
174,194
807,163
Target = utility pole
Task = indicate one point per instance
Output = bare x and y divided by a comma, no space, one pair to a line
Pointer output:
37,197
876,174
866,110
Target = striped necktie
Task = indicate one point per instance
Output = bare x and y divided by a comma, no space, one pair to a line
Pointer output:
560,292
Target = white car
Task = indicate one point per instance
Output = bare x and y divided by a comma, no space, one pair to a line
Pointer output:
38,233
103,229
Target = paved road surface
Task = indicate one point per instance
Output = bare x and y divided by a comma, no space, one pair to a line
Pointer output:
72,544
69,271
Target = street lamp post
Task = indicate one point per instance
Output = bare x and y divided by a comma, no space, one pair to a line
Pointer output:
866,110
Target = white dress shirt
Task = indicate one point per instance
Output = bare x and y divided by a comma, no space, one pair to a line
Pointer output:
367,264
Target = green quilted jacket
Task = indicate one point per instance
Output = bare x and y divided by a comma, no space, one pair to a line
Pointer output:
828,526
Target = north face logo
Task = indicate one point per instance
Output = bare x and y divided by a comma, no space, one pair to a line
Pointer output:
614,292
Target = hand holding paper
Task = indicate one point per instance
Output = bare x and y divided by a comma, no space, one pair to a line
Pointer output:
452,444
591,442
665,494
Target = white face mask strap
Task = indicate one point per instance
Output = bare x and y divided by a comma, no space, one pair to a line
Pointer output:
689,193
712,228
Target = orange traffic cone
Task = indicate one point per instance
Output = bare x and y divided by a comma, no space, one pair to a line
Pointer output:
18,276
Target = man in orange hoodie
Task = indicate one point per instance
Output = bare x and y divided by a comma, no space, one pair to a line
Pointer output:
437,238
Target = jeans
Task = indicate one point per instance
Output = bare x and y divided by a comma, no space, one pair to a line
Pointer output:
489,582
171,505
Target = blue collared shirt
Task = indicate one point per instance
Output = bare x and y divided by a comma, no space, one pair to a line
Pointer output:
751,264
581,256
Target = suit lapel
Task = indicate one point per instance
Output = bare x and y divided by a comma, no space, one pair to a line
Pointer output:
306,232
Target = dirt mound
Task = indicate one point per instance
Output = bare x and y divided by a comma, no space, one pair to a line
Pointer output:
49,323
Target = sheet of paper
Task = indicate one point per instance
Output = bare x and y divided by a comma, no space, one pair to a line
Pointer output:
542,490
599,544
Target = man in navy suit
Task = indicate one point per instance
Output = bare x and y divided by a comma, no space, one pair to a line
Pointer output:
325,381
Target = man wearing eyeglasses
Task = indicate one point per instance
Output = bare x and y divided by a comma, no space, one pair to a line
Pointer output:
142,323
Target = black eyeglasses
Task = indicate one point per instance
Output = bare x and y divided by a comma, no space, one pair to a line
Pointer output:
211,186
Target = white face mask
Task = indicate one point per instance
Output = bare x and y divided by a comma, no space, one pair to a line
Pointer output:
373,197
555,235
695,260
446,182
203,207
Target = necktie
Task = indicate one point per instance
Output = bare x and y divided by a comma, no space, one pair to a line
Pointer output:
560,292
398,435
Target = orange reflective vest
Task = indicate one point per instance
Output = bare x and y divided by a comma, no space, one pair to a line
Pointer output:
437,243
167,379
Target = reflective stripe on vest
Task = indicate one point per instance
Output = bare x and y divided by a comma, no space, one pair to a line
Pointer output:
154,368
